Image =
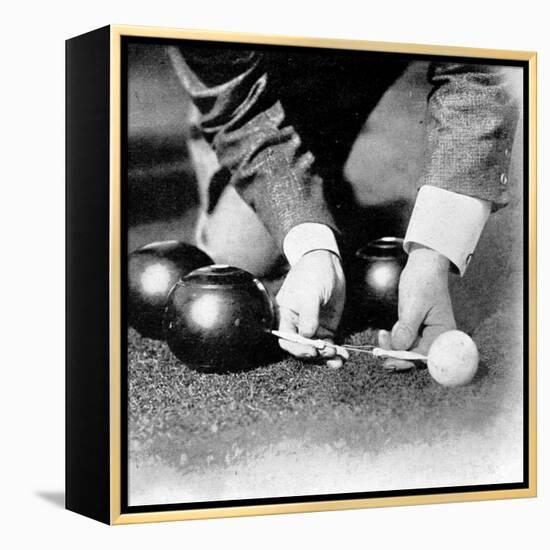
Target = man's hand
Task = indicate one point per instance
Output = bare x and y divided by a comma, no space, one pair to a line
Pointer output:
424,308
311,302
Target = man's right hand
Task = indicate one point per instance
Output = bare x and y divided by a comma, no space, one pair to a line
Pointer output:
311,302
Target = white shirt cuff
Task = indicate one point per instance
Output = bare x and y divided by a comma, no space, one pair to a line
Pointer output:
447,222
305,237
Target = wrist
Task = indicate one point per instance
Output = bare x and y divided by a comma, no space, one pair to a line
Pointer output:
448,222
306,238
324,252
428,259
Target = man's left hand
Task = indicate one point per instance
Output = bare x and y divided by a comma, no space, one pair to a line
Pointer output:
424,307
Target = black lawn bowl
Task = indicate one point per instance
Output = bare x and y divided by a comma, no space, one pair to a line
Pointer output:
380,265
218,319
152,272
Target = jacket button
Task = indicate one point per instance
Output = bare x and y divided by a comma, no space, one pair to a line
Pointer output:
503,179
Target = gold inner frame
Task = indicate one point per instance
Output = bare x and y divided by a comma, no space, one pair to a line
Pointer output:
117,32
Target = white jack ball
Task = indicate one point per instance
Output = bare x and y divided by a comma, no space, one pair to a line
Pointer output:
453,359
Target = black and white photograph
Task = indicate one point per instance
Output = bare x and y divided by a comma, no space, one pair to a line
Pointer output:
275,266
324,273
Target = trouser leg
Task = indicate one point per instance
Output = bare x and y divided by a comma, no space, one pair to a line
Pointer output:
326,96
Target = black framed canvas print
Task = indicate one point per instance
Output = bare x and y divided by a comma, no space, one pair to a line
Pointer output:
300,274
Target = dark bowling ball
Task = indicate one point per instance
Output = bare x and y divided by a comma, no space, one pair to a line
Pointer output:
152,272
381,263
218,319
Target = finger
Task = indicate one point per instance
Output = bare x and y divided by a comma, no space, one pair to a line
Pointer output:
437,322
334,358
330,350
403,334
308,317
327,353
398,365
335,363
392,364
384,339
429,334
411,313
288,323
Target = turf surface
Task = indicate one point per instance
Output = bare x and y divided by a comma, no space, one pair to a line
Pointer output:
187,420
186,428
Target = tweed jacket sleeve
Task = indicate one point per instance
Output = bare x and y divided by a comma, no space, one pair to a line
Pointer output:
247,127
471,120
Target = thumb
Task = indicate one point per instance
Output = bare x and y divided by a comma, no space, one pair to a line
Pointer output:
405,331
308,321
